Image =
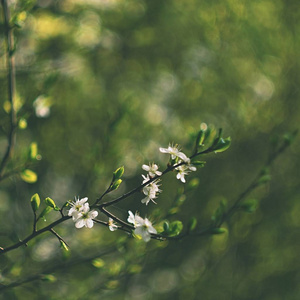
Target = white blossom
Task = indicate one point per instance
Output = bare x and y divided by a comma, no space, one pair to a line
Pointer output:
86,217
136,220
77,207
150,190
143,227
184,170
112,226
175,152
152,169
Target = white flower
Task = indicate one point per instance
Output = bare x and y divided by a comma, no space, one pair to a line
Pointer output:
77,207
174,152
152,169
145,229
150,190
112,226
86,217
42,106
184,170
136,220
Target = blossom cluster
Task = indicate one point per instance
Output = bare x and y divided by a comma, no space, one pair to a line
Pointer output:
184,168
81,213
143,227
181,159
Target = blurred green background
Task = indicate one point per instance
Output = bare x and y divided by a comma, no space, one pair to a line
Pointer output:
121,79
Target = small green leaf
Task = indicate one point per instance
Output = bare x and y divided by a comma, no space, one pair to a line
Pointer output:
173,210
200,164
22,123
175,228
218,230
118,173
49,278
193,183
192,223
50,202
66,204
29,176
264,179
200,139
218,214
98,263
64,245
116,184
222,145
249,205
33,150
44,212
166,226
35,202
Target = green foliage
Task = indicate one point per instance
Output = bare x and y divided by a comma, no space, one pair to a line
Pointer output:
175,228
44,212
51,203
127,77
249,205
35,202
116,184
192,224
118,173
218,230
29,176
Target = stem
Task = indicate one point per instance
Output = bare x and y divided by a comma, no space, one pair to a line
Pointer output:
11,77
34,234
58,236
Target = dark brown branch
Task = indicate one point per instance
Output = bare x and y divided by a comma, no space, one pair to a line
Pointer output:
34,234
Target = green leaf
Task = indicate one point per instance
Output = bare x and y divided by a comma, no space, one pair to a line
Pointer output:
116,184
118,173
98,263
35,202
194,183
49,278
44,212
200,139
249,205
218,215
50,202
222,145
218,230
29,176
33,150
175,228
64,246
198,163
264,179
166,226
192,223
173,210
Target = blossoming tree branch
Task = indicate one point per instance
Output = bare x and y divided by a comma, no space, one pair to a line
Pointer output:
85,215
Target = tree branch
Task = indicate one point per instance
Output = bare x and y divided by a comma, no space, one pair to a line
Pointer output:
11,77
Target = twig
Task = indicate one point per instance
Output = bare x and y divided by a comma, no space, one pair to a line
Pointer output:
34,234
11,77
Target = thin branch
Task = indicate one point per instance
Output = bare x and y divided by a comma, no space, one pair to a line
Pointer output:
58,237
11,77
34,234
